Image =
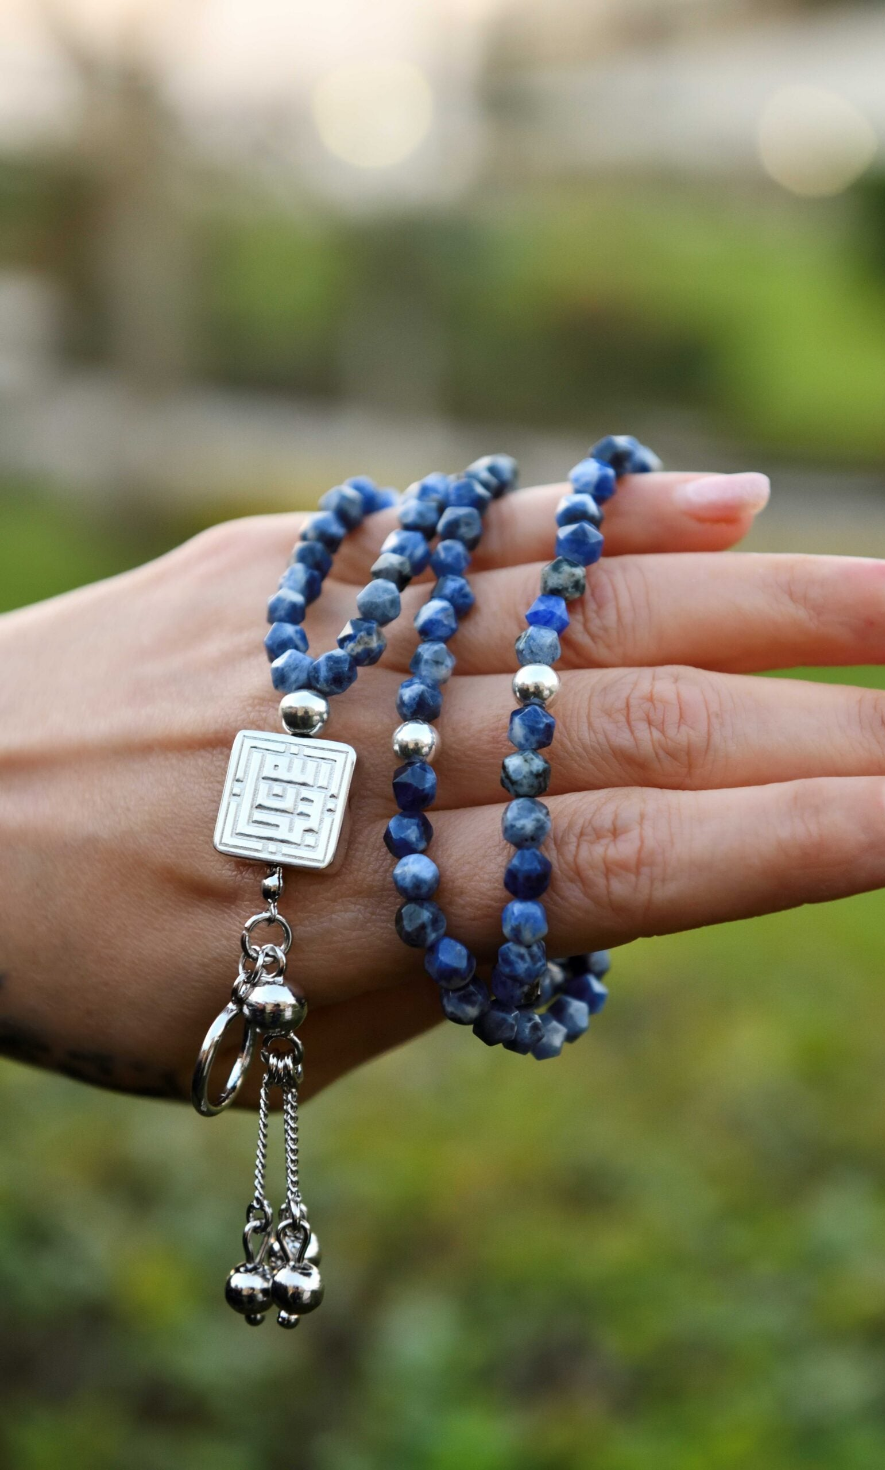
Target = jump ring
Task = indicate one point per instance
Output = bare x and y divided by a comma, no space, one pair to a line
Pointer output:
208,1052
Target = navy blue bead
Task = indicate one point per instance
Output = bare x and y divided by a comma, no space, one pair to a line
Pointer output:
562,578
432,662
525,773
466,1005
572,1014
417,700
457,591
511,991
581,543
498,472
625,455
302,579
574,508
367,490
286,607
599,962
548,612
525,823
553,1040
529,1031
363,640
461,523
524,921
414,786
333,672
314,555
325,528
592,477
433,488
391,567
538,646
407,832
522,962
419,515
589,989
531,727
416,876
380,601
410,544
497,1025
552,982
420,923
291,671
436,621
450,964
470,491
527,874
282,637
451,558
345,503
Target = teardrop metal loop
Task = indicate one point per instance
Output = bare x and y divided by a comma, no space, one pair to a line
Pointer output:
208,1052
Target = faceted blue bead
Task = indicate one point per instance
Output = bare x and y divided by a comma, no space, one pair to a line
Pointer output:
469,491
572,1014
313,554
511,991
548,612
417,700
416,876
419,515
581,543
538,646
552,982
461,523
386,498
599,962
436,621
552,1041
390,567
562,578
410,544
625,455
363,640
527,874
302,579
450,964
345,503
592,477
286,607
282,637
451,558
525,773
420,923
432,662
457,591
498,472
497,1025
573,508
414,786
531,727
333,672
379,600
524,921
466,1005
529,1031
588,989
525,823
367,490
325,528
522,962
291,671
407,832
433,488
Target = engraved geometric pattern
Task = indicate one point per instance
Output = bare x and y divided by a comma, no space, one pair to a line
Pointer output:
284,799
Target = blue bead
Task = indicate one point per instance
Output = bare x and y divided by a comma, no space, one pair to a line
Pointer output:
461,523
470,491
433,488
436,621
525,823
581,543
552,982
314,555
498,472
302,579
525,773
562,578
451,558
410,544
592,477
450,964
291,671
527,874
286,607
588,989
457,591
363,640
367,490
325,528
345,503
522,962
417,700
387,498
282,637
414,786
625,455
574,508
420,923
548,612
497,1025
466,1005
333,673
407,832
432,662
599,962
391,567
419,515
416,876
538,646
380,601
552,1041
529,1031
524,921
531,727
511,991
572,1014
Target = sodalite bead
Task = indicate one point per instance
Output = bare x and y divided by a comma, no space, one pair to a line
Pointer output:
466,1005
553,1040
345,503
513,992
433,488
565,579
592,477
419,515
581,543
525,823
436,621
457,591
599,962
407,832
529,1031
372,497
312,554
282,637
524,921
286,607
538,646
497,472
470,491
432,662
380,601
527,874
410,544
414,786
363,640
525,773
497,1025
418,700
574,508
461,523
572,1014
590,990
552,982
333,672
291,671
325,528
625,455
548,612
451,558
531,727
450,964
416,876
302,579
522,962
420,922
391,567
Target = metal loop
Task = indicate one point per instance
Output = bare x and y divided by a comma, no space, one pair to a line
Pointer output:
208,1052
268,918
295,1054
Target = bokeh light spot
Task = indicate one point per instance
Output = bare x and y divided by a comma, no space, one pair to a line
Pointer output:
813,141
373,114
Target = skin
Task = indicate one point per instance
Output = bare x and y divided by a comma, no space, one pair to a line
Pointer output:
684,792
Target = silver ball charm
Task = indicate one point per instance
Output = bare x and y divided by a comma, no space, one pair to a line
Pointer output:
416,741
288,1319
304,712
314,1253
536,684
248,1291
297,1288
272,1006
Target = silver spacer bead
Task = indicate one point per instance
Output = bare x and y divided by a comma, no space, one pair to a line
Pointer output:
271,1006
304,712
416,741
536,684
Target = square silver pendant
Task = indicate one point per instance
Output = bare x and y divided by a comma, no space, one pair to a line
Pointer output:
284,799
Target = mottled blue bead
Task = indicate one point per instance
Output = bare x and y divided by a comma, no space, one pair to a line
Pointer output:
522,962
450,964
420,923
574,508
466,1005
524,921
451,558
511,991
367,491
386,498
525,823
325,528
581,543
527,874
363,640
333,672
552,982
345,503
497,1025
433,488
592,477
548,612
572,1014
432,662
416,876
314,555
436,621
497,472
470,491
565,579
525,773
417,700
599,962
538,646
457,591
461,523
410,544
286,606
414,786
390,567
552,1041
529,1031
419,515
531,727
282,637
625,455
379,600
592,991
305,580
407,832
291,671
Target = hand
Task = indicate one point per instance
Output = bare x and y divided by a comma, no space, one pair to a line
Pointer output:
683,793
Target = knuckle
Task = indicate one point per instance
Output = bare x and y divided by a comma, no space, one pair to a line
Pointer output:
609,852
804,592
663,723
870,717
617,597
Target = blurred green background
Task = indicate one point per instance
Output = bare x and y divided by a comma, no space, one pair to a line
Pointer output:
246,250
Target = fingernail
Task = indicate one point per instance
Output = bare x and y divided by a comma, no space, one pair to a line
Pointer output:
723,497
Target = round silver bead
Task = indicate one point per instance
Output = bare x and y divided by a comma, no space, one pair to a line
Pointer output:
297,1288
314,1253
416,741
272,1006
248,1290
536,684
304,712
